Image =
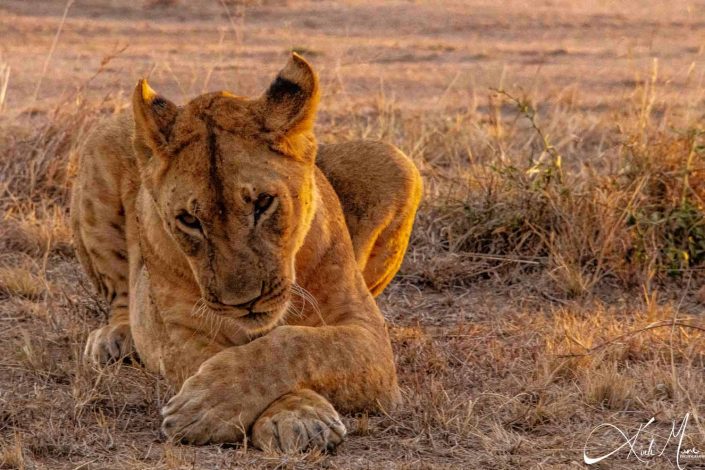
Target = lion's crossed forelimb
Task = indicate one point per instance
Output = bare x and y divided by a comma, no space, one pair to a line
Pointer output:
227,395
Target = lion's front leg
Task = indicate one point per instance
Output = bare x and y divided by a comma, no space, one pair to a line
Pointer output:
349,365
219,403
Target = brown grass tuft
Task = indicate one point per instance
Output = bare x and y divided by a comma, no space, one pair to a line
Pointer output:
607,387
15,281
12,455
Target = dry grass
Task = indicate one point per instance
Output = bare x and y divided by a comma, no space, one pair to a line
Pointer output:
549,286
20,282
4,82
514,205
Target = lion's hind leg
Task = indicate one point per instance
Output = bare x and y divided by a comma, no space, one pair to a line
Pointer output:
387,252
379,189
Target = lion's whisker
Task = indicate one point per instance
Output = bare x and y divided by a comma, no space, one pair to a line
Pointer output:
307,297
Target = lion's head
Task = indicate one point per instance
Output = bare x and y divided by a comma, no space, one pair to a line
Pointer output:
232,181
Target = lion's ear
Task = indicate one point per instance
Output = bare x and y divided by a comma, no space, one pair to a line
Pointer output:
289,105
154,117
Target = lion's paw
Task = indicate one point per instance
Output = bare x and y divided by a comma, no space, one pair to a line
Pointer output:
297,422
109,343
205,410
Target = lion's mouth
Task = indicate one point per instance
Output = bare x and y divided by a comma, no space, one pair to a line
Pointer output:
260,322
266,315
256,316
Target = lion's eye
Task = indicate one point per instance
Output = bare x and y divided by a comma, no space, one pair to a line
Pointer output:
262,203
189,221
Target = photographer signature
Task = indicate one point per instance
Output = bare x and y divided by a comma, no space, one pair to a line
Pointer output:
639,449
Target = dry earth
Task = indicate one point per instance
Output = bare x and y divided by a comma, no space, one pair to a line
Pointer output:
514,339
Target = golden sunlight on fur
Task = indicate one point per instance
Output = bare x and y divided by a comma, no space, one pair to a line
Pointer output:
240,260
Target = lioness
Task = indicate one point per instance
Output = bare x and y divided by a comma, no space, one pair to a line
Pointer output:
231,265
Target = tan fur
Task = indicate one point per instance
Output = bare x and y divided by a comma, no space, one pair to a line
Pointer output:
224,252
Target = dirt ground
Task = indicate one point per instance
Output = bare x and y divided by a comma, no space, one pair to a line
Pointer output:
504,361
